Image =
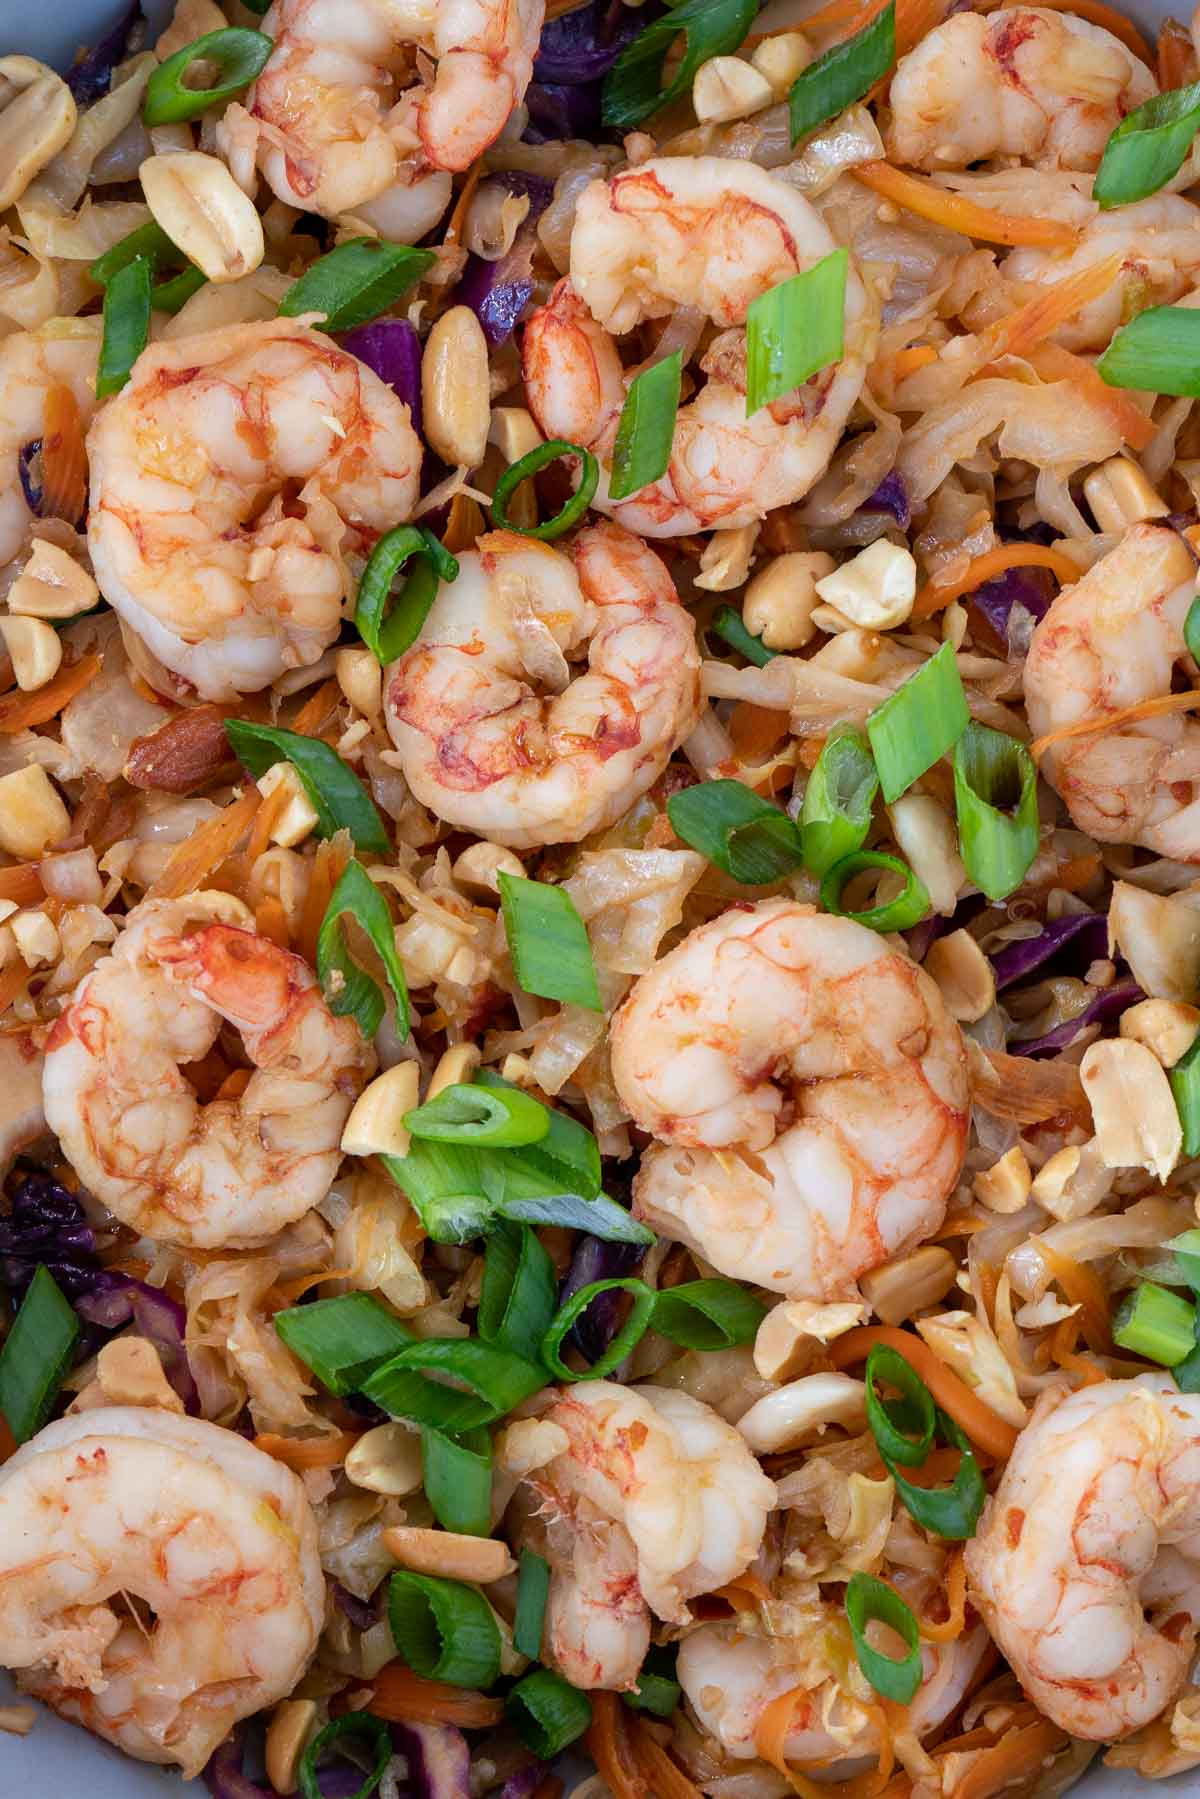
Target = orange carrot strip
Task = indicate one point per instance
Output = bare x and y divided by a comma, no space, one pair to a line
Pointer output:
951,1628
64,458
317,710
1063,1351
288,1292
666,1779
771,1737
1053,363
325,871
234,1084
194,860
745,1594
956,211
265,819
1016,1757
936,595
981,1423
756,730
907,362
610,1749
914,20
1111,721
270,920
1096,13
307,1452
21,711
1176,58
464,522
1032,323
21,884
849,13
401,1696
1082,1288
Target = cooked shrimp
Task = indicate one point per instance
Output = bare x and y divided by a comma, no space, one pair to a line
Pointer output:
483,749
112,1512
228,478
1111,641
334,135
1159,243
31,364
808,1089
708,234
1086,1563
730,1678
1045,86
654,1501
234,1172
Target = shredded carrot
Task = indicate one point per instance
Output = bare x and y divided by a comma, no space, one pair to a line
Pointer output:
400,1696
745,1594
1063,1351
1096,13
193,861
666,1779
325,871
13,981
915,19
1176,60
833,15
952,1627
288,1292
270,920
1081,1287
1015,1757
317,710
64,458
936,595
772,1734
234,1084
907,362
1112,721
775,1721
956,211
21,884
1033,323
609,1746
21,711
1053,363
981,1423
298,1453
265,820
756,730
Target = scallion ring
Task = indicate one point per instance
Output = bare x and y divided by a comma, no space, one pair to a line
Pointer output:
546,1713
519,1295
795,329
389,636
444,1630
893,1441
642,450
126,325
708,1314
494,1118
995,796
360,1726
548,942
731,626
533,1589
627,1338
338,796
349,990
908,908
920,722
240,57
746,836
487,1383
951,1512
529,465
36,1354
871,1601
457,1476
836,814
356,282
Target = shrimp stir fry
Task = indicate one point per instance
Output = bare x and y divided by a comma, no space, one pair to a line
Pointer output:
600,895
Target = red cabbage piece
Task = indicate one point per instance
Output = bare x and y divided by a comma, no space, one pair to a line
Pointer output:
1108,1005
498,292
362,1613
580,47
91,77
891,496
47,1224
31,487
114,1300
392,349
1031,588
595,1260
1085,932
224,1777
557,111
526,1783
439,1762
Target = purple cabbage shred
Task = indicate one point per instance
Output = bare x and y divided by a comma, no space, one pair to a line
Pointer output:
47,1225
224,1778
1107,1006
30,487
579,48
439,1761
524,1784
498,292
891,496
91,77
392,350
362,1613
595,1260
1086,933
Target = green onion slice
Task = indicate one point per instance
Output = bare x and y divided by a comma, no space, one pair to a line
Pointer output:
642,451
640,1318
457,1474
342,1340
843,75
1153,1322
36,1354
708,1314
444,1630
339,798
600,1217
795,329
349,991
126,326
389,637
548,942
240,56
744,835
1186,1374
951,1512
632,88
1148,147
908,907
732,627
1185,1085
529,465
995,796
868,1601
1157,352
533,1589
356,282
492,1117
360,1726
152,244
546,1713
894,1442
836,814
1186,1250
487,1383
519,1293
657,1689
567,1158
1191,631
918,724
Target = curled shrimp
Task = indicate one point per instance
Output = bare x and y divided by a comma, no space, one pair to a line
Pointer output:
1044,86
653,1501
228,478
711,235
1086,1563
808,1091
32,364
231,1173
483,749
110,1512
331,129
1109,642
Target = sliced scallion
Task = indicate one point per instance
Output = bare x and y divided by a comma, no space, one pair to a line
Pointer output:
356,282
360,1727
995,796
708,1314
457,1476
1155,1323
533,1588
548,942
240,57
657,1689
444,1630
794,329
888,1422
126,325
520,1290
349,990
389,636
919,723
744,835
342,1340
632,88
1186,1250
338,797
36,1354
909,906
836,814
495,1119
600,1217
624,1342
642,450
843,75
1148,147
472,1383
1185,1085
151,243
546,1713
731,626
869,1601
951,1512
1158,352
1191,631
517,472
